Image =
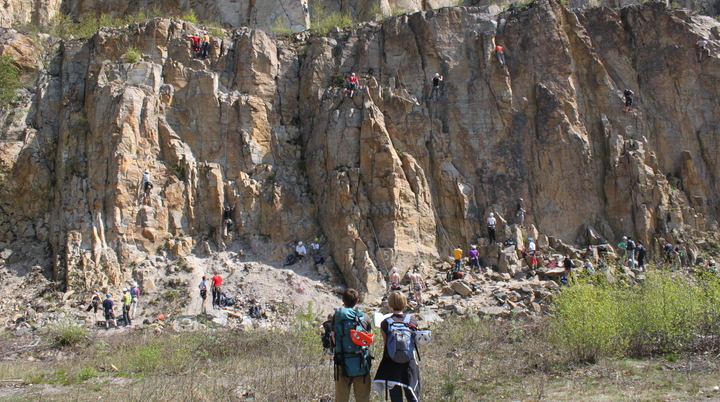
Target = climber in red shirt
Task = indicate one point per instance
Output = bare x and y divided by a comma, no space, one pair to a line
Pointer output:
195,43
352,84
500,53
216,289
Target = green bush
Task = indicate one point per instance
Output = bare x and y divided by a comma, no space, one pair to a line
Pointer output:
9,80
85,374
190,16
322,22
132,55
171,294
68,335
661,315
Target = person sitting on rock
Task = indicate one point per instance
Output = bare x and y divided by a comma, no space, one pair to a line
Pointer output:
300,251
701,48
589,269
205,48
500,53
435,94
315,247
474,256
628,94
491,227
568,264
196,39
352,84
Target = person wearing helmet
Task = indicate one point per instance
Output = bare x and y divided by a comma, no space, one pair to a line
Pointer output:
126,303
205,48
398,379
437,79
352,84
108,306
701,48
300,251
394,279
491,227
315,248
196,39
135,294
520,214
474,257
500,54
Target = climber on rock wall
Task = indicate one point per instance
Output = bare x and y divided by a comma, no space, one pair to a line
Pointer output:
701,48
435,94
628,100
195,44
500,53
352,84
205,49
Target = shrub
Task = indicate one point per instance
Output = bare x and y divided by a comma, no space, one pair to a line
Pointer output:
68,335
85,374
662,315
132,55
171,294
322,22
190,16
9,81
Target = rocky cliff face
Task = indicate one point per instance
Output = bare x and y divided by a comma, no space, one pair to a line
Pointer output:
388,177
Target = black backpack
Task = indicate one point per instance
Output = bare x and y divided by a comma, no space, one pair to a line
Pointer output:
326,336
630,245
255,311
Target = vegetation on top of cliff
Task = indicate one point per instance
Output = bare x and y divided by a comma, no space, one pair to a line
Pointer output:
322,21
9,80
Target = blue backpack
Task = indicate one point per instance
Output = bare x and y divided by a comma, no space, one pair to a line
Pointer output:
352,359
400,340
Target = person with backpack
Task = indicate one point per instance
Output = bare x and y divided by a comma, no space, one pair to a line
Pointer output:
398,372
630,251
216,289
352,357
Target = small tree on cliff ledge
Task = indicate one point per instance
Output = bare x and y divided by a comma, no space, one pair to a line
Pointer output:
9,80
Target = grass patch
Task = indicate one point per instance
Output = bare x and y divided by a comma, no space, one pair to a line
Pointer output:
64,335
322,21
133,55
190,16
9,81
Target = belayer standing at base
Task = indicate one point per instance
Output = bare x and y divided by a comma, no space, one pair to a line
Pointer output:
352,360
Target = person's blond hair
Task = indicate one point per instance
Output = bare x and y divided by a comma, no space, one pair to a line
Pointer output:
397,301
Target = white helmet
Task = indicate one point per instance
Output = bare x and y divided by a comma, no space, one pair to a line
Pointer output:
492,214
353,74
437,75
423,338
473,247
299,243
394,269
147,172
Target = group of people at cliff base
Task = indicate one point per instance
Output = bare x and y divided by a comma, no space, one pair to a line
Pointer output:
348,334
301,252
216,286
129,300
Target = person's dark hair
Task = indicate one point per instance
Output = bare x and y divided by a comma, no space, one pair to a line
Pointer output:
204,278
350,297
640,242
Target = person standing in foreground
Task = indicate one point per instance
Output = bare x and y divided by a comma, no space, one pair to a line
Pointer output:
457,253
352,362
216,289
399,378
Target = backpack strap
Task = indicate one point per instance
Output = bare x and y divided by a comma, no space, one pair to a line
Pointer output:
407,318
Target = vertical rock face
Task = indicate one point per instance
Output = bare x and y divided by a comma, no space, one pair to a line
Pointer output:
391,176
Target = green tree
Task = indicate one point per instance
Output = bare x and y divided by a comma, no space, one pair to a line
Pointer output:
9,80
